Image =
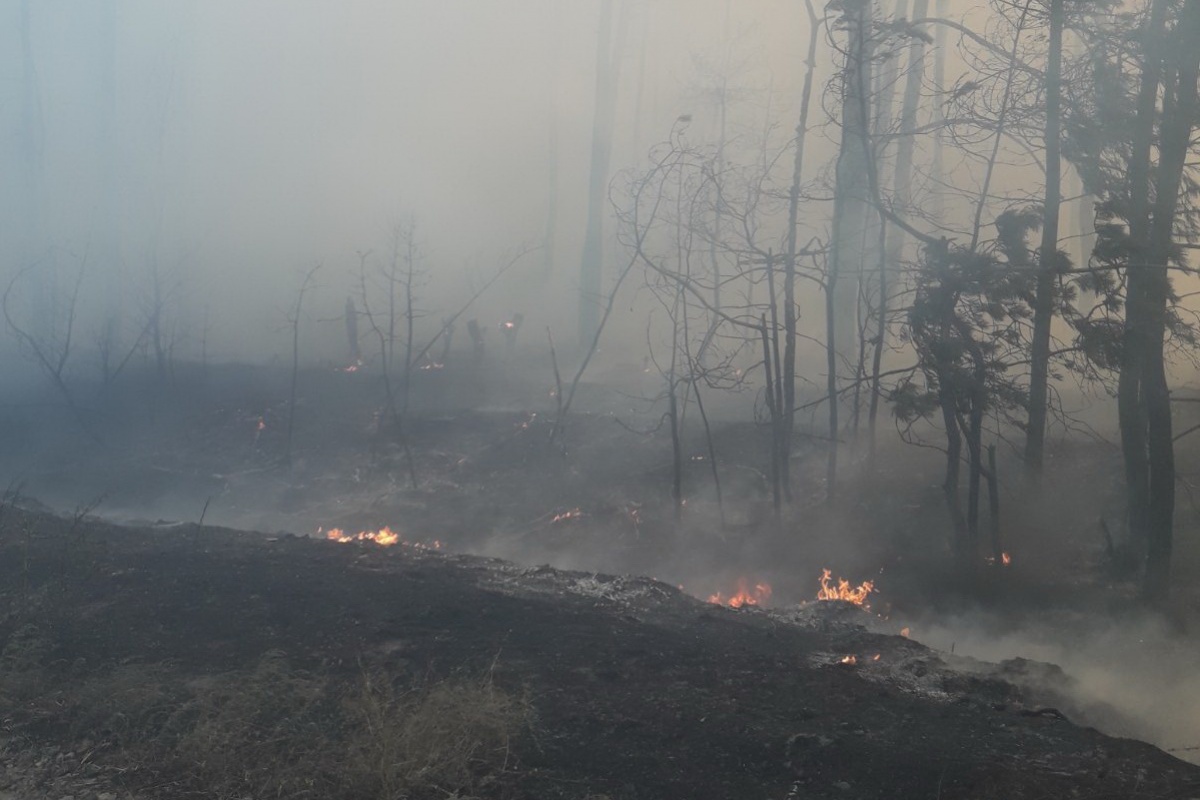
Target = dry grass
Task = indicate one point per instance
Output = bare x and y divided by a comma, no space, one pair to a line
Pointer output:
258,733
452,739
271,731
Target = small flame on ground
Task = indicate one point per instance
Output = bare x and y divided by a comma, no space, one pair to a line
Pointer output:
574,513
905,632
843,590
384,537
849,660
355,367
1005,560
744,596
431,365
262,424
876,657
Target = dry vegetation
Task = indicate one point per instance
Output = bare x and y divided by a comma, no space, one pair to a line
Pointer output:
270,731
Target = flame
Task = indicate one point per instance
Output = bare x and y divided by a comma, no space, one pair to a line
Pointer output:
384,537
843,591
262,424
744,595
355,367
905,632
1005,560
432,365
876,657
849,660
574,513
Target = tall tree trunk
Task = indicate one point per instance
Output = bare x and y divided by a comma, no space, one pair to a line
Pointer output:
901,197
1131,409
722,133
937,170
1178,126
1043,306
852,208
831,383
875,288
850,254
789,274
902,178
591,270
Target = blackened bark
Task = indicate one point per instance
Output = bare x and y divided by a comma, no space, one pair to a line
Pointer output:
1043,306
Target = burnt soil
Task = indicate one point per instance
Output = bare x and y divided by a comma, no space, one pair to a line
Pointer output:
112,636
637,690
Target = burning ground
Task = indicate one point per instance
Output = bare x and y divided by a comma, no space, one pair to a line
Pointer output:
192,661
369,655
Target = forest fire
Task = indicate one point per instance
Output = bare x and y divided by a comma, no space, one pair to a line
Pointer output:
843,590
744,596
384,537
574,513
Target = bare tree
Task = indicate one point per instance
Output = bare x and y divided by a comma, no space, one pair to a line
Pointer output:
52,352
609,47
293,319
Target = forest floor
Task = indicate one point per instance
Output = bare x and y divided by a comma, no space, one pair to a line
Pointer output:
175,656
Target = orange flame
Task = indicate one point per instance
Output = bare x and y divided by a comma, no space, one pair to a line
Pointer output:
905,632
574,513
744,595
849,660
843,591
384,537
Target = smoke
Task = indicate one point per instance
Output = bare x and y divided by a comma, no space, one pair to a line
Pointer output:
1131,676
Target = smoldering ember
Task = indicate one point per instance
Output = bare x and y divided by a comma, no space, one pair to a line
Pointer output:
600,400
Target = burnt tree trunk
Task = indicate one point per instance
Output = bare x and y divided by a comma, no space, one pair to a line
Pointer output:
1043,307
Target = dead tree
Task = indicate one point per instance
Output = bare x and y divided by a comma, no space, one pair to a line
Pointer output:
392,416
52,352
293,319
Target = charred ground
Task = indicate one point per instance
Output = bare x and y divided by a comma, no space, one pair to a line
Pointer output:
131,654
173,659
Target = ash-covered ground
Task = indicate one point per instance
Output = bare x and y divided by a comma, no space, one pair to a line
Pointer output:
134,657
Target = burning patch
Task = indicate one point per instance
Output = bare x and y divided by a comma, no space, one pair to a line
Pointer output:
744,596
384,537
844,591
